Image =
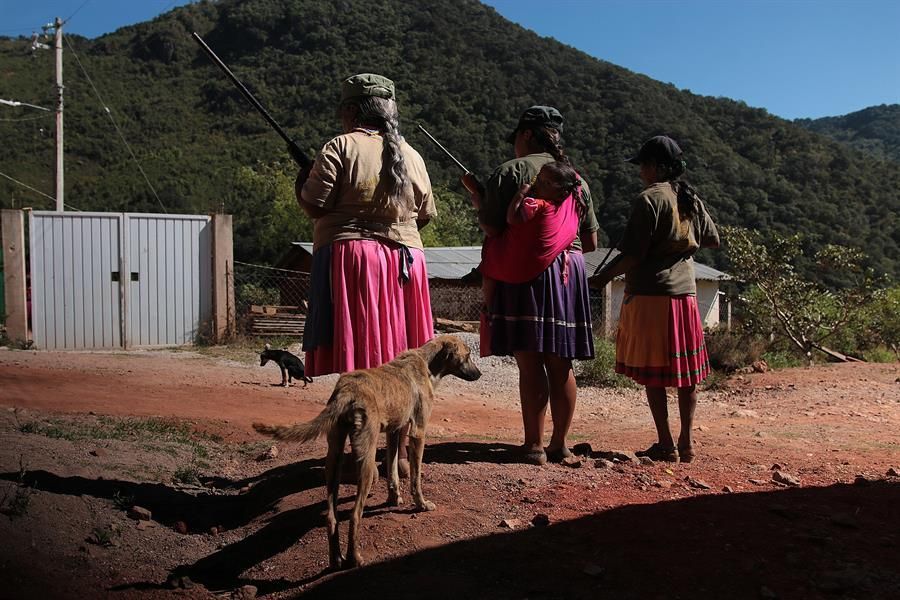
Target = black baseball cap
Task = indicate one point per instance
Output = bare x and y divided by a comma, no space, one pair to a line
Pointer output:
538,116
660,149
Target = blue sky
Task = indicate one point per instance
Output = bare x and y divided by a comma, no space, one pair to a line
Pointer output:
795,58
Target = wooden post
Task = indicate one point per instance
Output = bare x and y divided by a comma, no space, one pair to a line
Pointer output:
223,278
13,239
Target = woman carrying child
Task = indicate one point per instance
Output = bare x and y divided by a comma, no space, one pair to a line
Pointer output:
544,321
542,221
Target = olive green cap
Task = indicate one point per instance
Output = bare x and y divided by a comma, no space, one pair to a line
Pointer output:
367,84
538,116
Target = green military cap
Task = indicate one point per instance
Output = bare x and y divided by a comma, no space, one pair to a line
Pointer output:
538,116
367,84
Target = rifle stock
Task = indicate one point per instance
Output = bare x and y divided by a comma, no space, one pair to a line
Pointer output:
294,150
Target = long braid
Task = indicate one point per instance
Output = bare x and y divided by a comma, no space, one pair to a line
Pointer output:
382,114
688,198
550,141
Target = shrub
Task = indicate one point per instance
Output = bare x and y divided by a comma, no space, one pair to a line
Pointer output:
881,355
188,474
729,351
251,293
716,380
783,359
601,370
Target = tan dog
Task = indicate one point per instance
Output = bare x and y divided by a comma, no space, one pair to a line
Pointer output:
368,401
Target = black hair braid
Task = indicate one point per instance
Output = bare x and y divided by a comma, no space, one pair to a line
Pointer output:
688,199
382,114
550,142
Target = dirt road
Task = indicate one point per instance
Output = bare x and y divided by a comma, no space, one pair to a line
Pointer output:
84,437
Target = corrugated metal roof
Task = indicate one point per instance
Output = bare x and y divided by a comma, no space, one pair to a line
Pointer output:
458,261
702,272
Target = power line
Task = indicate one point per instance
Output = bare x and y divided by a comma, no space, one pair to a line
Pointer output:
115,125
26,118
25,185
76,11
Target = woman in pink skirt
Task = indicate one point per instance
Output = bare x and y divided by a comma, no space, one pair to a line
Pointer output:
659,343
368,194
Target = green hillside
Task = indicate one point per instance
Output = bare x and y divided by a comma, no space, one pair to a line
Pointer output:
461,69
875,130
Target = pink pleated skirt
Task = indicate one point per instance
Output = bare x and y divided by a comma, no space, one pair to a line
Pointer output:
375,316
660,342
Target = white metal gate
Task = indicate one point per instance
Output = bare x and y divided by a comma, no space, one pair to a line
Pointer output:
112,280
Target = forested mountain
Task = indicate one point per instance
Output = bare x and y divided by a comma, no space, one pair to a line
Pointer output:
875,129
461,70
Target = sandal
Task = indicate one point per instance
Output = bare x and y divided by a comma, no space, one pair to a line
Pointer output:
687,454
534,457
557,456
659,453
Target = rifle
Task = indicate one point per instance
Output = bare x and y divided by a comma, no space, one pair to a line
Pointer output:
296,153
468,180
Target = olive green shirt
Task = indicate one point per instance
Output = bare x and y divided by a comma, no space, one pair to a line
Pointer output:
346,181
504,184
664,242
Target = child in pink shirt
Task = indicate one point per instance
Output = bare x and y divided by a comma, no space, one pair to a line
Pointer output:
542,221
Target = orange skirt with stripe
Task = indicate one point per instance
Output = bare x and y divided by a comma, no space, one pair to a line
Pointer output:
659,342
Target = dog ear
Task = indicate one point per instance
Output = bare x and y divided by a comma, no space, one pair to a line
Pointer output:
437,351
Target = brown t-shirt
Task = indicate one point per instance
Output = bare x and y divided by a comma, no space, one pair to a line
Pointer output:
664,241
346,181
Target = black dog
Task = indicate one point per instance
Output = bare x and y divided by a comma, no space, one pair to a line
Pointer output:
290,365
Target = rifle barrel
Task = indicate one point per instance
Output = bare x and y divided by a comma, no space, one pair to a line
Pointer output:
439,145
243,89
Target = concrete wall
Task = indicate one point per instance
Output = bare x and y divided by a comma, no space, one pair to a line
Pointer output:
12,224
223,278
707,301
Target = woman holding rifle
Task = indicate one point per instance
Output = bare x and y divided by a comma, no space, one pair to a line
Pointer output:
368,194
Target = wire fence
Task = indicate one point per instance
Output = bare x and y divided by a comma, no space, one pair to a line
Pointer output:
272,301
454,300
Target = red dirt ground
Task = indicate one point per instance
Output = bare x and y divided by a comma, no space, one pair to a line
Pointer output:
624,532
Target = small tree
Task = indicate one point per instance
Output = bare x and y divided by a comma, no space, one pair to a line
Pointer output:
804,312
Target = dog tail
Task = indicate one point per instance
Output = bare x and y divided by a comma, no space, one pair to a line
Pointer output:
302,432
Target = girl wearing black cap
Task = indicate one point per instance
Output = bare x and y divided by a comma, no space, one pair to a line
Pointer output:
659,343
545,322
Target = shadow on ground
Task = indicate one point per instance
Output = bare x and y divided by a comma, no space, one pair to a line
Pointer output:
839,541
169,504
833,542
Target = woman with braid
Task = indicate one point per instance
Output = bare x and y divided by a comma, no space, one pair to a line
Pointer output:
659,342
368,194
543,321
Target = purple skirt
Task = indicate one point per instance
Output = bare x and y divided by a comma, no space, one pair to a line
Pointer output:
545,314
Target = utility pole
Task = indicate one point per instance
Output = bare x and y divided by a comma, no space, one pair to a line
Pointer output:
59,115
